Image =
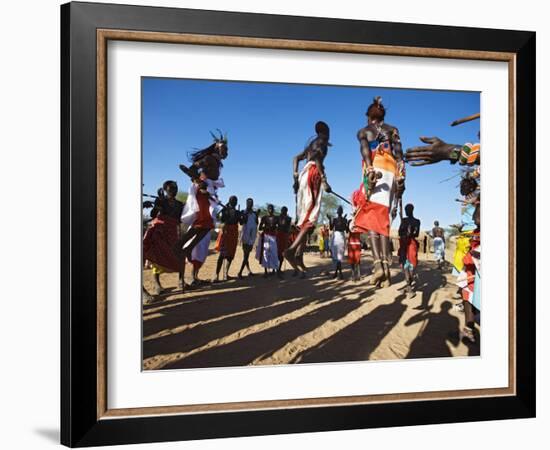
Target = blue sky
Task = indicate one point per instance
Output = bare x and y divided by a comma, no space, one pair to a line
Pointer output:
268,123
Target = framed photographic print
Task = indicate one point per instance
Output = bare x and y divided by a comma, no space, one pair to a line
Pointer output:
273,224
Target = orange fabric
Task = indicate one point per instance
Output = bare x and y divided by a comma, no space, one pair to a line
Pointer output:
314,185
373,217
354,248
227,240
384,160
408,250
204,219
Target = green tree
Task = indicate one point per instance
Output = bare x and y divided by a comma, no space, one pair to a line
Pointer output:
182,196
263,209
329,205
453,230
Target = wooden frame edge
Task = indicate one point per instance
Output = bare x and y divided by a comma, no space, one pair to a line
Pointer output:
103,35
289,44
101,224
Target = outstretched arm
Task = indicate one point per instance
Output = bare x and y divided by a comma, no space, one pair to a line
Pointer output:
436,150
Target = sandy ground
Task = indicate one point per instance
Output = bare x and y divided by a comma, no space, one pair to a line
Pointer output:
261,320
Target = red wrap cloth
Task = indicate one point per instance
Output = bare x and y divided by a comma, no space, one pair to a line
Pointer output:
314,186
408,250
226,243
354,248
370,216
204,218
159,243
282,243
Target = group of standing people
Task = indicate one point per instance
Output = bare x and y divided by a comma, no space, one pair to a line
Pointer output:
375,204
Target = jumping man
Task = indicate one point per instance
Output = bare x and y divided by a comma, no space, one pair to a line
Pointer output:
202,200
309,185
383,184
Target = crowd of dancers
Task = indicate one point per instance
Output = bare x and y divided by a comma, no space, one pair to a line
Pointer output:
279,238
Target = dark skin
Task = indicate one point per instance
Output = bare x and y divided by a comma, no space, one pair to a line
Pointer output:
437,231
409,228
378,130
284,223
339,223
247,248
208,167
436,151
229,216
210,164
268,224
316,151
165,204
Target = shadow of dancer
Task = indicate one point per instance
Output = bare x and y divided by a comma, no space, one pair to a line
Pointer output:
357,341
437,331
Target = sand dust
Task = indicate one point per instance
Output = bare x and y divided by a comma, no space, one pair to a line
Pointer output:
261,320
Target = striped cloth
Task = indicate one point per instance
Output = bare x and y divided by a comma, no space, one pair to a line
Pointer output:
374,214
308,198
469,154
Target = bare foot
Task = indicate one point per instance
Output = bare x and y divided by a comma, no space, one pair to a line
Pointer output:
291,258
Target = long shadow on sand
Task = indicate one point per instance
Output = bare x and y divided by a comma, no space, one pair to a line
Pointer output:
357,341
439,330
263,343
251,309
214,301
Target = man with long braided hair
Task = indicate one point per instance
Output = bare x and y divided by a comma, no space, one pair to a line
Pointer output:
202,200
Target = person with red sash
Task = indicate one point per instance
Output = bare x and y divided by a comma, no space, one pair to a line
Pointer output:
309,185
202,201
161,237
228,238
284,221
197,258
409,229
383,183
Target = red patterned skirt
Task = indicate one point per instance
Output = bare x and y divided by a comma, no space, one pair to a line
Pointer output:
159,243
